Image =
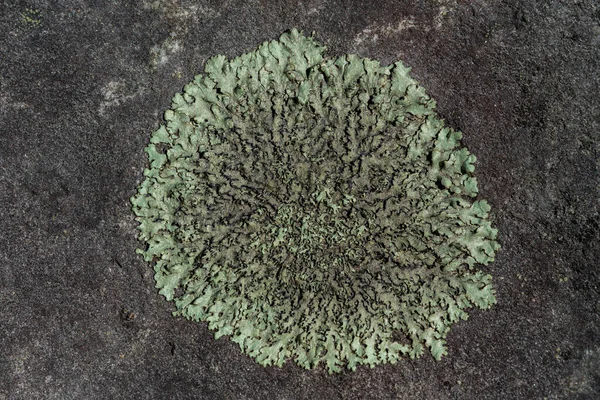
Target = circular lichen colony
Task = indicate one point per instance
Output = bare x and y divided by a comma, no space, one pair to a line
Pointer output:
314,208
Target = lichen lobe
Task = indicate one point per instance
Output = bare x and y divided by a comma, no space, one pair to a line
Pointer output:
313,207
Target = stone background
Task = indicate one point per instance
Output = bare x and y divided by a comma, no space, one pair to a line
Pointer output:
84,83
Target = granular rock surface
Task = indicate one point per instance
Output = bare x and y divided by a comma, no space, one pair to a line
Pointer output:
82,88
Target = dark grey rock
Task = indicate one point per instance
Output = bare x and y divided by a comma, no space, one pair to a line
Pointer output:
82,86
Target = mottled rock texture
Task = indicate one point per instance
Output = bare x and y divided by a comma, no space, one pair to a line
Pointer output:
83,86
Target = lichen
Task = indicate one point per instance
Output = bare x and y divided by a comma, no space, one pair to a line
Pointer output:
31,17
314,208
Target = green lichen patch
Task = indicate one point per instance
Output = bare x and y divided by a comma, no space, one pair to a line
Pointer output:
31,17
314,208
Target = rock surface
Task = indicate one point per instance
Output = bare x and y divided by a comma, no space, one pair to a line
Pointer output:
83,86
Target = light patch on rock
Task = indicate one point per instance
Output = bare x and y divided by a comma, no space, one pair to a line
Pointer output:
181,18
114,94
371,34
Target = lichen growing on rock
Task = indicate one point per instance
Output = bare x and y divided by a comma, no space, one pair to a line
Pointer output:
314,208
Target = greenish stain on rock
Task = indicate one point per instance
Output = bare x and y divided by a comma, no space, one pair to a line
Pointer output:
314,208
31,17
